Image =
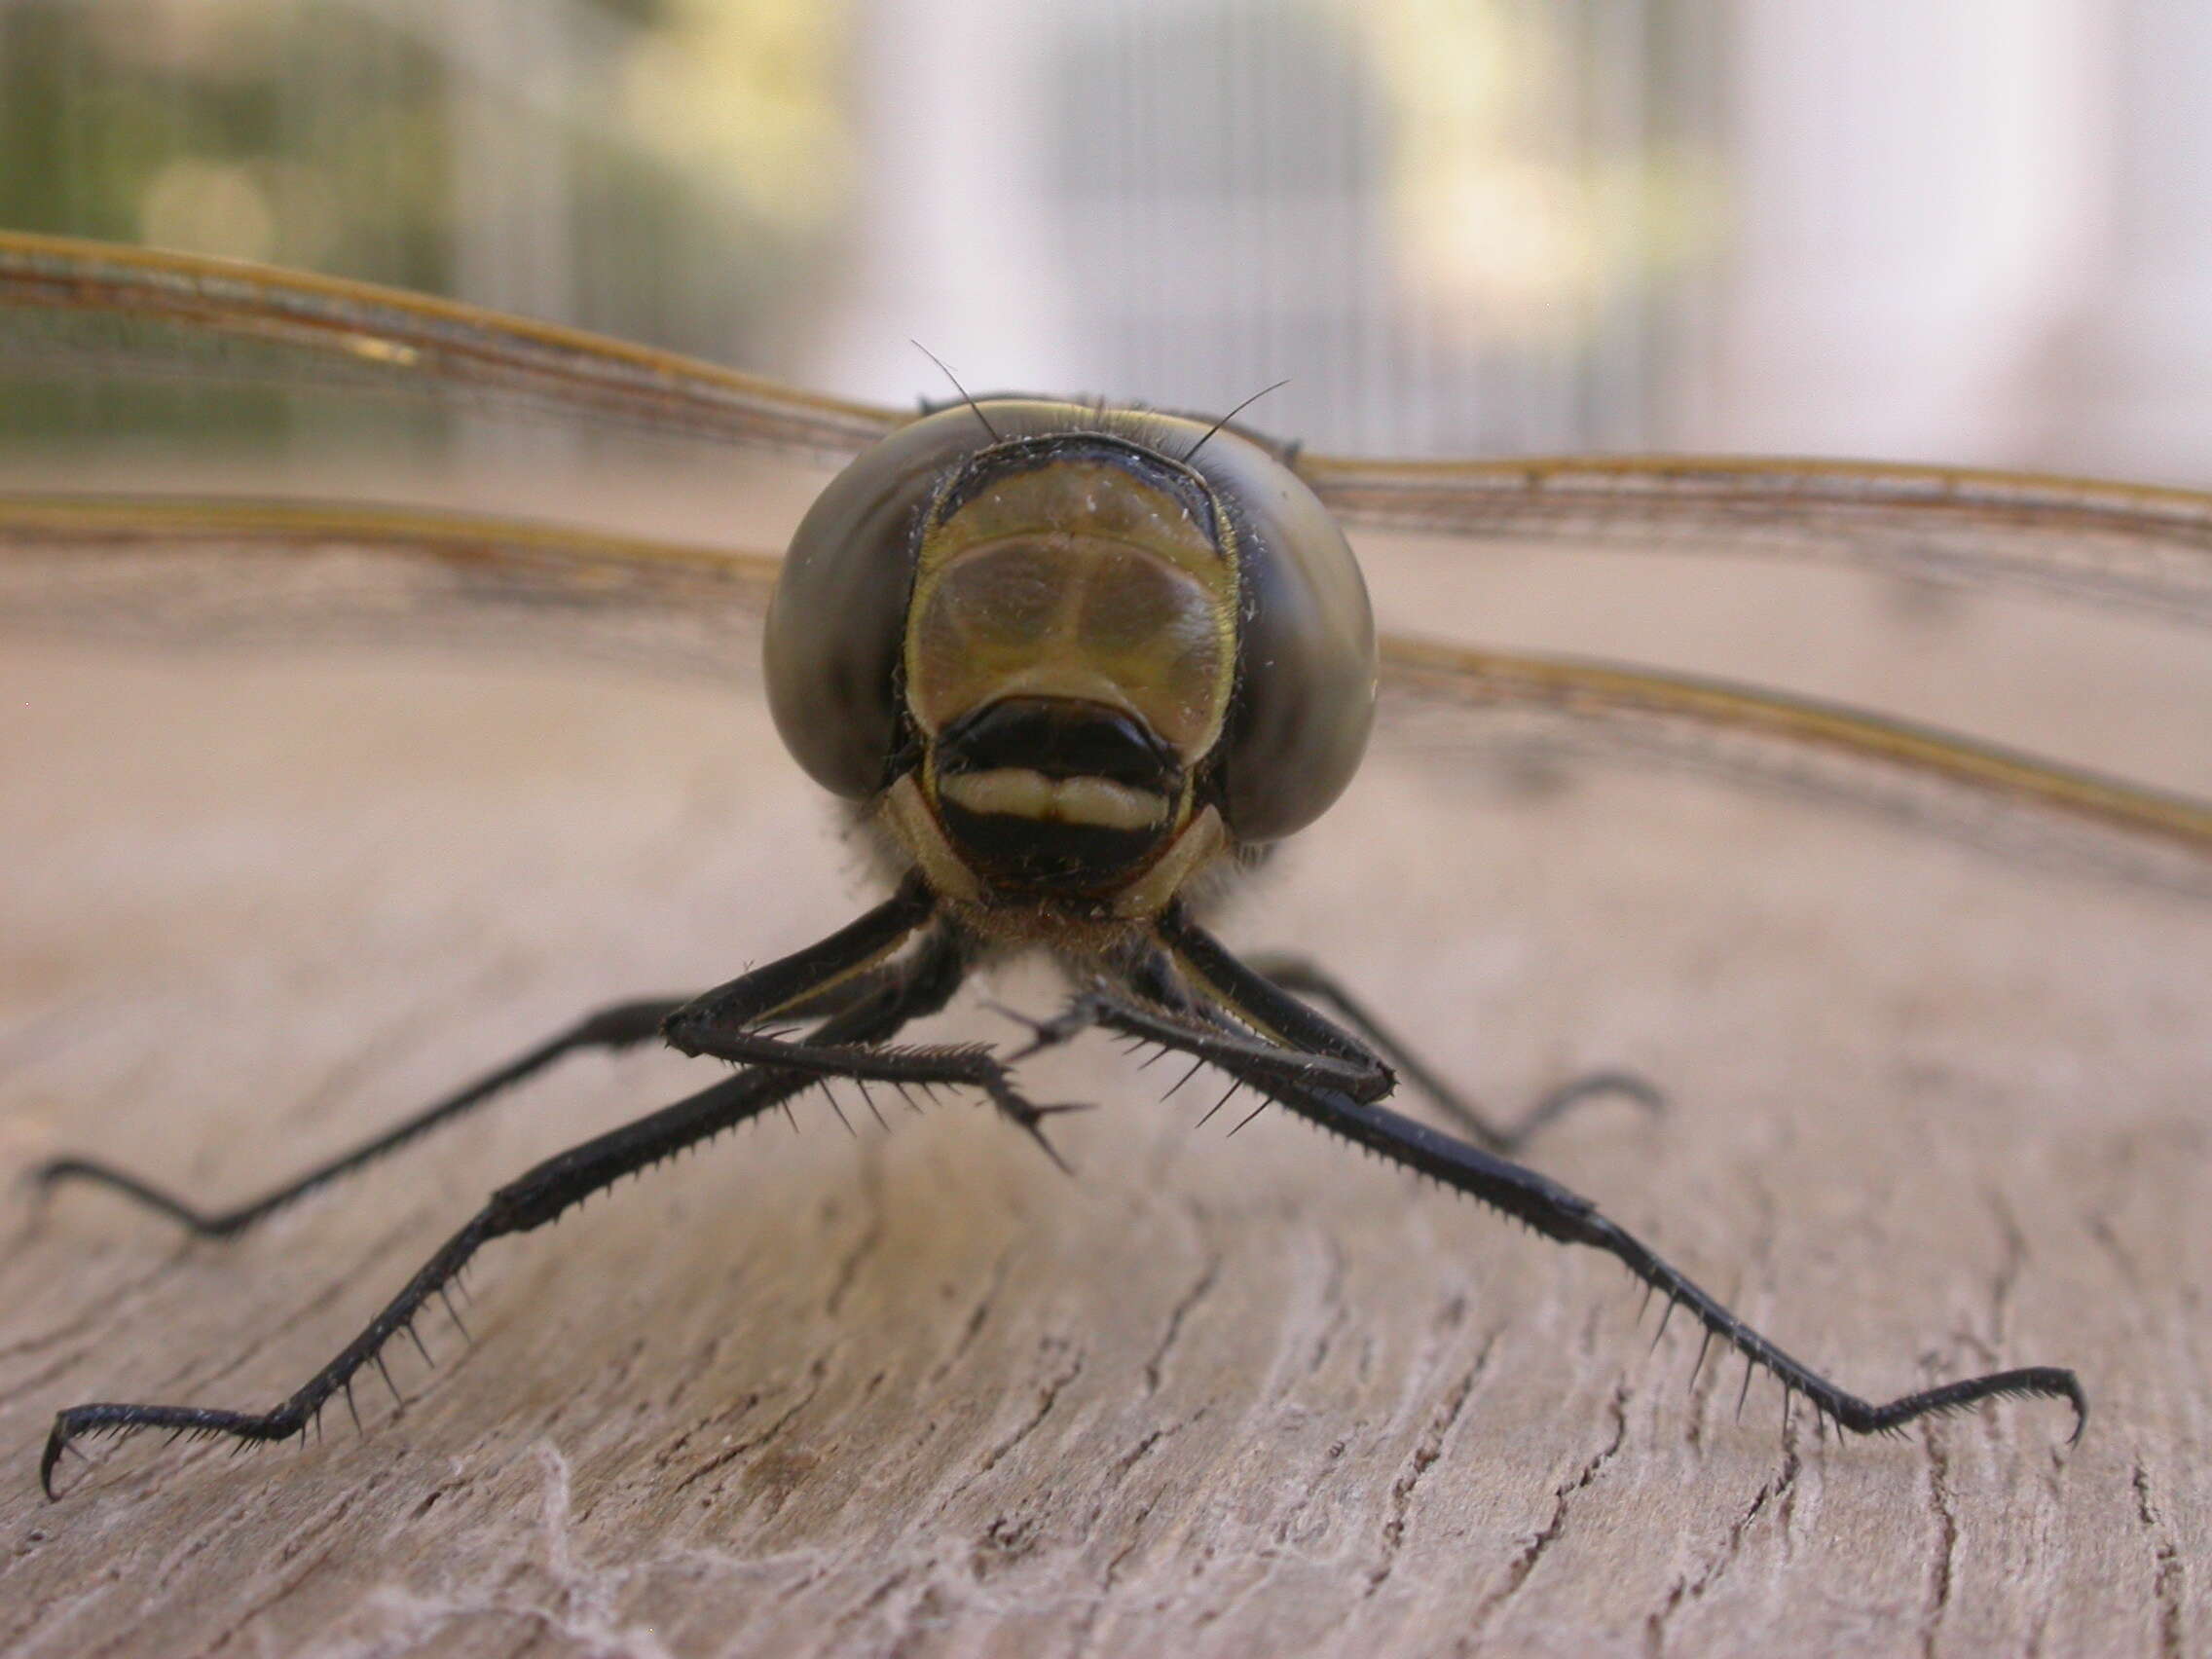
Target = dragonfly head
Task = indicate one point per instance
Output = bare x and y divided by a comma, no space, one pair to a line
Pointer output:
1076,651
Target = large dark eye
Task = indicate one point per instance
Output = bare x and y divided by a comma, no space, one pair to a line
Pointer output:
835,626
1306,647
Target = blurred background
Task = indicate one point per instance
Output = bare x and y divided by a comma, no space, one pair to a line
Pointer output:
1956,230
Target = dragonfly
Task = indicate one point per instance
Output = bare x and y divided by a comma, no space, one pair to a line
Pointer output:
1072,796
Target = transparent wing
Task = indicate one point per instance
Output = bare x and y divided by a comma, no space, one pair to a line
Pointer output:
73,304
243,570
2116,544
192,571
1463,701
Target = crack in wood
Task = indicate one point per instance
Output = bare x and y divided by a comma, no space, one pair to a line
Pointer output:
1520,1569
1425,1453
978,1316
1692,1588
2169,1575
1208,1274
815,1373
866,1245
1942,1565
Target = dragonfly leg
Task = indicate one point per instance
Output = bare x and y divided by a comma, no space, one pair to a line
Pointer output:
1542,1203
1360,1076
538,1197
620,1026
726,1023
1309,978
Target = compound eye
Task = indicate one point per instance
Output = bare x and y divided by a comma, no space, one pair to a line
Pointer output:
838,617
1306,648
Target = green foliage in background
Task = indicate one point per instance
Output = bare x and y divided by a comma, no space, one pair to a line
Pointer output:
579,166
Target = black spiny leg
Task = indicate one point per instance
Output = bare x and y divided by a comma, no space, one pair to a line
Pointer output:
918,986
621,1026
724,1023
1545,1206
1307,978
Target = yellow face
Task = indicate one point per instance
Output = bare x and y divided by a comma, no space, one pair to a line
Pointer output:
1086,585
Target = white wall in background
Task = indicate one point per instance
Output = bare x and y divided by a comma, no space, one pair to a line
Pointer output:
947,248
1915,196
2138,395
1974,231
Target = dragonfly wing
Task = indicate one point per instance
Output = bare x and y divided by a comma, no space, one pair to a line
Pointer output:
2134,546
67,305
70,307
263,571
283,572
1462,701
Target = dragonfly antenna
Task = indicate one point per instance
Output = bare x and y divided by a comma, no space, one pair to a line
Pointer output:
1226,419
968,396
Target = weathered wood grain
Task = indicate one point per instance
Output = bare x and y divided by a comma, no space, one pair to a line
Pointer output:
915,1391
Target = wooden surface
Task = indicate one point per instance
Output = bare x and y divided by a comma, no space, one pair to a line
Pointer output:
915,1392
